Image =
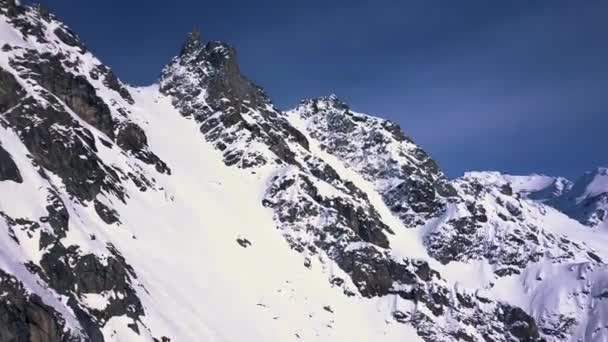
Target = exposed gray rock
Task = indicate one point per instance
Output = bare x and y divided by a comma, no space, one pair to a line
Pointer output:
74,160
48,71
228,98
69,272
410,182
11,91
108,215
8,168
508,239
25,318
111,81
132,138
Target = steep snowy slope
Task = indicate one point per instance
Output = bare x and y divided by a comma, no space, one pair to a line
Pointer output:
194,210
477,225
104,240
75,194
212,258
71,155
322,214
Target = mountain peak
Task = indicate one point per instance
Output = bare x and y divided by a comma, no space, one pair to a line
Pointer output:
358,216
317,104
193,43
221,55
215,55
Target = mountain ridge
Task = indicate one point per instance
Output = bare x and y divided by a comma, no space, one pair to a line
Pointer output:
583,200
118,230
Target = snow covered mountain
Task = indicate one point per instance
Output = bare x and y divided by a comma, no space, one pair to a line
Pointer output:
537,187
195,210
585,200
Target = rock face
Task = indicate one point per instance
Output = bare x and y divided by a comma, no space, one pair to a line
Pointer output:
476,218
8,168
53,111
475,215
75,91
408,179
24,317
500,227
205,84
350,209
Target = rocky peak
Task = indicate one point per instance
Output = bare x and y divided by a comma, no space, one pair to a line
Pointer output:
410,182
192,43
212,66
322,104
214,56
222,56
327,102
205,82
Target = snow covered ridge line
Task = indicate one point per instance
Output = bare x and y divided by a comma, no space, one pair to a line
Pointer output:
410,182
480,217
468,212
585,200
326,218
273,223
70,148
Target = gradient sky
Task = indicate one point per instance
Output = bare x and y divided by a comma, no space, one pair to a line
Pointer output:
517,86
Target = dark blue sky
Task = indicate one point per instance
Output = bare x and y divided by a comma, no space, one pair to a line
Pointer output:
518,86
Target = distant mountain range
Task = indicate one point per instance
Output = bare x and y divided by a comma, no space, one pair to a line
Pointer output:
585,200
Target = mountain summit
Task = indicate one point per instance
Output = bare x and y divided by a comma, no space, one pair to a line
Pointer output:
192,43
194,210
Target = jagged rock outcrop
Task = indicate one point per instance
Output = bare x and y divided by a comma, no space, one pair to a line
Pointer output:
8,168
364,219
476,218
25,318
53,109
414,188
336,225
408,179
235,114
